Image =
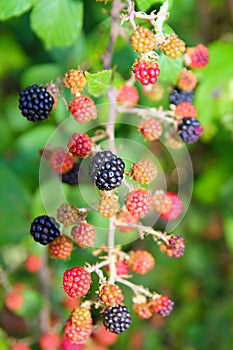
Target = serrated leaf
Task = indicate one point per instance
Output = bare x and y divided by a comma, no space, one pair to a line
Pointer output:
99,83
14,8
170,69
57,22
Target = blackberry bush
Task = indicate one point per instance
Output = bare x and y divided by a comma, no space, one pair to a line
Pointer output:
123,207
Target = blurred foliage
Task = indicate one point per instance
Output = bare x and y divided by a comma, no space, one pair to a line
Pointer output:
41,40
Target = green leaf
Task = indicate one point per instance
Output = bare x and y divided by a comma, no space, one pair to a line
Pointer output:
41,74
57,22
170,69
14,8
14,206
98,83
145,5
228,232
11,54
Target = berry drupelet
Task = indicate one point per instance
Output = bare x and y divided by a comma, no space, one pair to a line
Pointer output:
44,229
36,103
190,130
116,319
106,170
177,96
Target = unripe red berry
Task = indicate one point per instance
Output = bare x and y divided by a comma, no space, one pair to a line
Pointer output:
102,336
122,268
138,202
84,234
151,129
79,327
128,96
80,145
61,161
68,345
33,263
176,207
50,341
76,281
197,57
162,305
83,109
14,300
20,346
146,71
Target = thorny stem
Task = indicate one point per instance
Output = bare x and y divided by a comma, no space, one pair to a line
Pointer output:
149,112
146,230
156,20
95,267
136,288
115,31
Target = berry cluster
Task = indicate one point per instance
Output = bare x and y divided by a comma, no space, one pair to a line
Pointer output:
121,201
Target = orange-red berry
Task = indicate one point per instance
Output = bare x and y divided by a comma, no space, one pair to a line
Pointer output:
33,263
122,268
144,171
141,261
111,294
185,110
20,346
50,341
61,247
79,326
187,80
143,310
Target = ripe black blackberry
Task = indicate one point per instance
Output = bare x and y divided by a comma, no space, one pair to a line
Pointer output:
71,176
106,170
35,103
44,229
177,96
116,319
190,130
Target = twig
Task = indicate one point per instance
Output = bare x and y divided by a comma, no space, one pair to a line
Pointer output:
115,31
149,112
111,255
136,288
4,280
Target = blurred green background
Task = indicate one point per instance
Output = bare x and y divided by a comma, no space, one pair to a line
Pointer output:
200,283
